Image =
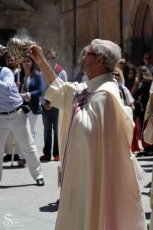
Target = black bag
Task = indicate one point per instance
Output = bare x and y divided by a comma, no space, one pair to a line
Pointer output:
137,110
26,107
37,111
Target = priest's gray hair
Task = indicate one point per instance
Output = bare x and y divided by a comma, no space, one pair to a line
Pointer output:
109,50
82,54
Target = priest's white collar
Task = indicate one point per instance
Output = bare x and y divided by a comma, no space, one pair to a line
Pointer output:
96,82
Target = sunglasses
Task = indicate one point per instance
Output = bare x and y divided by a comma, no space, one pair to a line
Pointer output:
121,63
88,53
116,74
147,58
51,58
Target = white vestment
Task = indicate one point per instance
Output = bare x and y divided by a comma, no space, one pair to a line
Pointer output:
100,189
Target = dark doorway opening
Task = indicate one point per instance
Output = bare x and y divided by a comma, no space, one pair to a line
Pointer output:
5,35
143,43
147,30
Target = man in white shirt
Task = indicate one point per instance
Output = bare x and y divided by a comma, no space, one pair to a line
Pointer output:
13,118
11,64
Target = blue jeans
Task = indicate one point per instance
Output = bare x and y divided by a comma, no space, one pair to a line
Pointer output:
50,121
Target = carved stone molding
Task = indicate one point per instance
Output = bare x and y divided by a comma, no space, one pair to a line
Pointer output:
11,13
136,14
17,5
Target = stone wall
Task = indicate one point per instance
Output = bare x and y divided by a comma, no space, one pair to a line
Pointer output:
101,18
43,24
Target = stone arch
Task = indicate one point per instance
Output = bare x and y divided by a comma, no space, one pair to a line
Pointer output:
133,39
134,15
147,30
139,18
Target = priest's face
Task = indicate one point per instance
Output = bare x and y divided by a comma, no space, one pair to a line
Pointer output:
89,61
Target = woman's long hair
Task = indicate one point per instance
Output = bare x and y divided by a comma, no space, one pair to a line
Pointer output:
33,67
144,73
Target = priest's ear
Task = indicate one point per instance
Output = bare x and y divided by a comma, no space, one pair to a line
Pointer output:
100,60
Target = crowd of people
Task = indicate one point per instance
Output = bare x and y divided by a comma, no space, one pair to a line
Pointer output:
22,94
137,84
93,124
32,87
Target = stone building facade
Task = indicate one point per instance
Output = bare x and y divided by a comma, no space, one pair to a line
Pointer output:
129,23
39,20
68,25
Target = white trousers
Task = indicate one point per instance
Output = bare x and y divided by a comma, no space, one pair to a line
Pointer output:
32,121
19,124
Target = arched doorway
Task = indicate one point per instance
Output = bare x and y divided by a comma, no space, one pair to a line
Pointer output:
142,33
147,30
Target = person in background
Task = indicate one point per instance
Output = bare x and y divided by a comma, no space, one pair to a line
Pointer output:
96,147
148,121
30,89
132,82
80,76
121,64
11,64
131,79
50,113
147,59
142,92
125,93
126,60
13,118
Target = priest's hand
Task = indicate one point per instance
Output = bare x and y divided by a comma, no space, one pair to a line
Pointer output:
36,53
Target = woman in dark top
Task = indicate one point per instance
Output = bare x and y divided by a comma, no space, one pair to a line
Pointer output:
142,93
131,78
30,87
